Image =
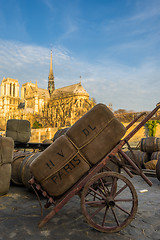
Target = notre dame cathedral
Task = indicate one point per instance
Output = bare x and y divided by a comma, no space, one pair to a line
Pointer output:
49,107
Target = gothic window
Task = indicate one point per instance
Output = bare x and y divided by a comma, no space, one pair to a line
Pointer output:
14,90
24,92
4,89
10,89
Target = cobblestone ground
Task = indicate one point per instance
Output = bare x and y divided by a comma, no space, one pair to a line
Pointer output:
20,215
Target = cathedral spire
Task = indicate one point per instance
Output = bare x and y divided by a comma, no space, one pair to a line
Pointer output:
51,87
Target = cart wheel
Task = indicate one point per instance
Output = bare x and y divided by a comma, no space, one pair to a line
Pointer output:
109,202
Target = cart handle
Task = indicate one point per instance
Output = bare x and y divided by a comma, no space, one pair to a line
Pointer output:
141,124
135,120
136,168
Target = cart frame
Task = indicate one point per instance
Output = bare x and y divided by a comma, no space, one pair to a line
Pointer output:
93,175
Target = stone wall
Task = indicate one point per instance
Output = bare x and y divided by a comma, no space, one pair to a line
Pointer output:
38,135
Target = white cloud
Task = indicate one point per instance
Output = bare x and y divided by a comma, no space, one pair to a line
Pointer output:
107,81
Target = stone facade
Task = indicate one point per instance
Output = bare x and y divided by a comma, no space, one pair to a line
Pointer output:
9,98
33,98
67,105
50,107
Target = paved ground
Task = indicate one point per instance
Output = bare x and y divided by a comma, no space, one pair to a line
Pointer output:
20,215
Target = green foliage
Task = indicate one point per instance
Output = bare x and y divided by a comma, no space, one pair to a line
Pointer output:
151,125
36,125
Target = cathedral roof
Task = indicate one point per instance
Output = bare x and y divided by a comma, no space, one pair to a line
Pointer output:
75,89
43,92
32,90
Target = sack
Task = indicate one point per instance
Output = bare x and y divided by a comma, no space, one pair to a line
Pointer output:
5,176
151,164
19,130
59,166
68,158
96,133
6,150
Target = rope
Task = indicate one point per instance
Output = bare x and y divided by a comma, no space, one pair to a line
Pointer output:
38,200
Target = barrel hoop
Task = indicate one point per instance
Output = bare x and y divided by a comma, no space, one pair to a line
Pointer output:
143,146
19,156
155,144
158,169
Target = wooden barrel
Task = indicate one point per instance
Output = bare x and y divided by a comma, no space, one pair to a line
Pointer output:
18,158
158,169
59,133
150,144
141,157
25,174
155,155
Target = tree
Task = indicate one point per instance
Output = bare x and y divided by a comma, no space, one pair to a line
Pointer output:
36,125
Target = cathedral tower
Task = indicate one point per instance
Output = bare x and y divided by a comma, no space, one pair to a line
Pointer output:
51,87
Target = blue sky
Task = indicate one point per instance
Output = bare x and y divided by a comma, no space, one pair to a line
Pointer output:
113,44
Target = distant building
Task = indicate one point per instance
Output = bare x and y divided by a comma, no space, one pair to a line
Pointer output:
9,96
51,107
34,98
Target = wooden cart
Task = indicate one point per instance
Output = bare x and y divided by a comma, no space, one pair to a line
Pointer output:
108,199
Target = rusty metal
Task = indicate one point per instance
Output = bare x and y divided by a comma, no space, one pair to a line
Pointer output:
91,177
100,205
135,120
149,172
31,145
158,169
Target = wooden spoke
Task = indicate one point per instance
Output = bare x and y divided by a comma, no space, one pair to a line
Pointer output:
122,209
114,214
103,186
105,214
97,192
123,200
97,211
95,202
94,196
114,184
122,189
